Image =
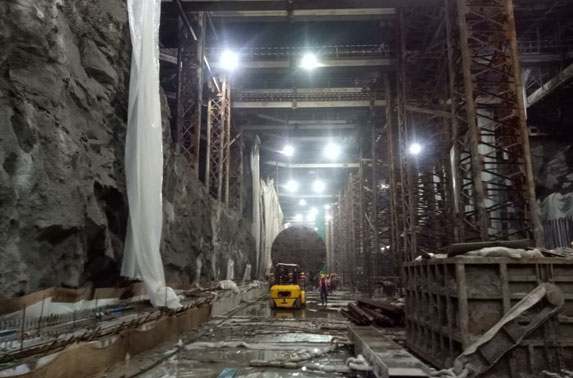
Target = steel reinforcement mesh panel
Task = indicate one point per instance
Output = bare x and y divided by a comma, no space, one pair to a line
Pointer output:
451,302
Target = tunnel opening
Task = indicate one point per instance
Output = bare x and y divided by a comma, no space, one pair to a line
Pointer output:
303,246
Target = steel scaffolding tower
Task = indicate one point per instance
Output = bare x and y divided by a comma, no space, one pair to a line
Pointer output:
190,84
218,121
493,180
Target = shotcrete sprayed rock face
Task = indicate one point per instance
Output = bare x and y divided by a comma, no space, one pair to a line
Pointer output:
302,246
64,82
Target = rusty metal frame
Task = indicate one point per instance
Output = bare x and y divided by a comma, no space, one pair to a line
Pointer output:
218,120
495,187
190,85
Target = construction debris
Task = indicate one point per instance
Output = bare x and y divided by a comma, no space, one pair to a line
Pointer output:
367,312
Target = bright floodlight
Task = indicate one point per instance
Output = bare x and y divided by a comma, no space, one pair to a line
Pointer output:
314,211
332,151
309,61
327,217
298,217
310,217
288,150
327,207
415,148
318,186
229,60
302,202
291,186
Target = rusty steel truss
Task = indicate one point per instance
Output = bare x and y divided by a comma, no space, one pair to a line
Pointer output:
218,120
456,91
495,192
224,168
190,85
361,219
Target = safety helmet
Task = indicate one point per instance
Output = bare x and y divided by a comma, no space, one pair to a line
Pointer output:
302,273
321,275
328,276
272,274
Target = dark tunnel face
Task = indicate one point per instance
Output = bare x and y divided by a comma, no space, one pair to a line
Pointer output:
302,246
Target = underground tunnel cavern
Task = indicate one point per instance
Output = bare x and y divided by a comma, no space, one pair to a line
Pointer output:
160,158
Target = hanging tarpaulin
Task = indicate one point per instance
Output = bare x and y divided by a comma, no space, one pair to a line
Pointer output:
556,206
144,156
272,216
256,179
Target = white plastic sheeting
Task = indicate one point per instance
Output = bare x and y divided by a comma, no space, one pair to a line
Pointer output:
556,206
267,215
230,269
256,177
272,216
144,156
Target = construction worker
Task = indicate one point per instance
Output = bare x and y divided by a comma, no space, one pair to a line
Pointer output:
271,279
302,280
323,289
290,278
328,283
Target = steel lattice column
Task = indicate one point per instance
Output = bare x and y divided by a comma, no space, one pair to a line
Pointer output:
394,184
235,188
217,127
368,220
190,86
406,176
379,211
495,189
356,216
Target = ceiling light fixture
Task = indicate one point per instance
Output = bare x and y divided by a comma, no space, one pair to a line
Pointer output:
332,151
291,186
318,186
302,202
229,60
309,61
415,149
288,150
310,217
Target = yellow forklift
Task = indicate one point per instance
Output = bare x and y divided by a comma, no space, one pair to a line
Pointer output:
288,290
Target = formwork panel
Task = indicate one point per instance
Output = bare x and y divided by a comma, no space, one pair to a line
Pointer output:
450,303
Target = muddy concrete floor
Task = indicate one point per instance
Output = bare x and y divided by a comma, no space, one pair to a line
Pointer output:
254,333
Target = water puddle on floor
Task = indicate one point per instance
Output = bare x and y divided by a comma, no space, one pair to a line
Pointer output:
312,310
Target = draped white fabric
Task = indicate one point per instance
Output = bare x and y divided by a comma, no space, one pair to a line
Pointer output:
144,156
556,206
272,215
256,179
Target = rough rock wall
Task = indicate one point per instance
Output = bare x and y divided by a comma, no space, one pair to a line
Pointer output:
64,73
196,225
